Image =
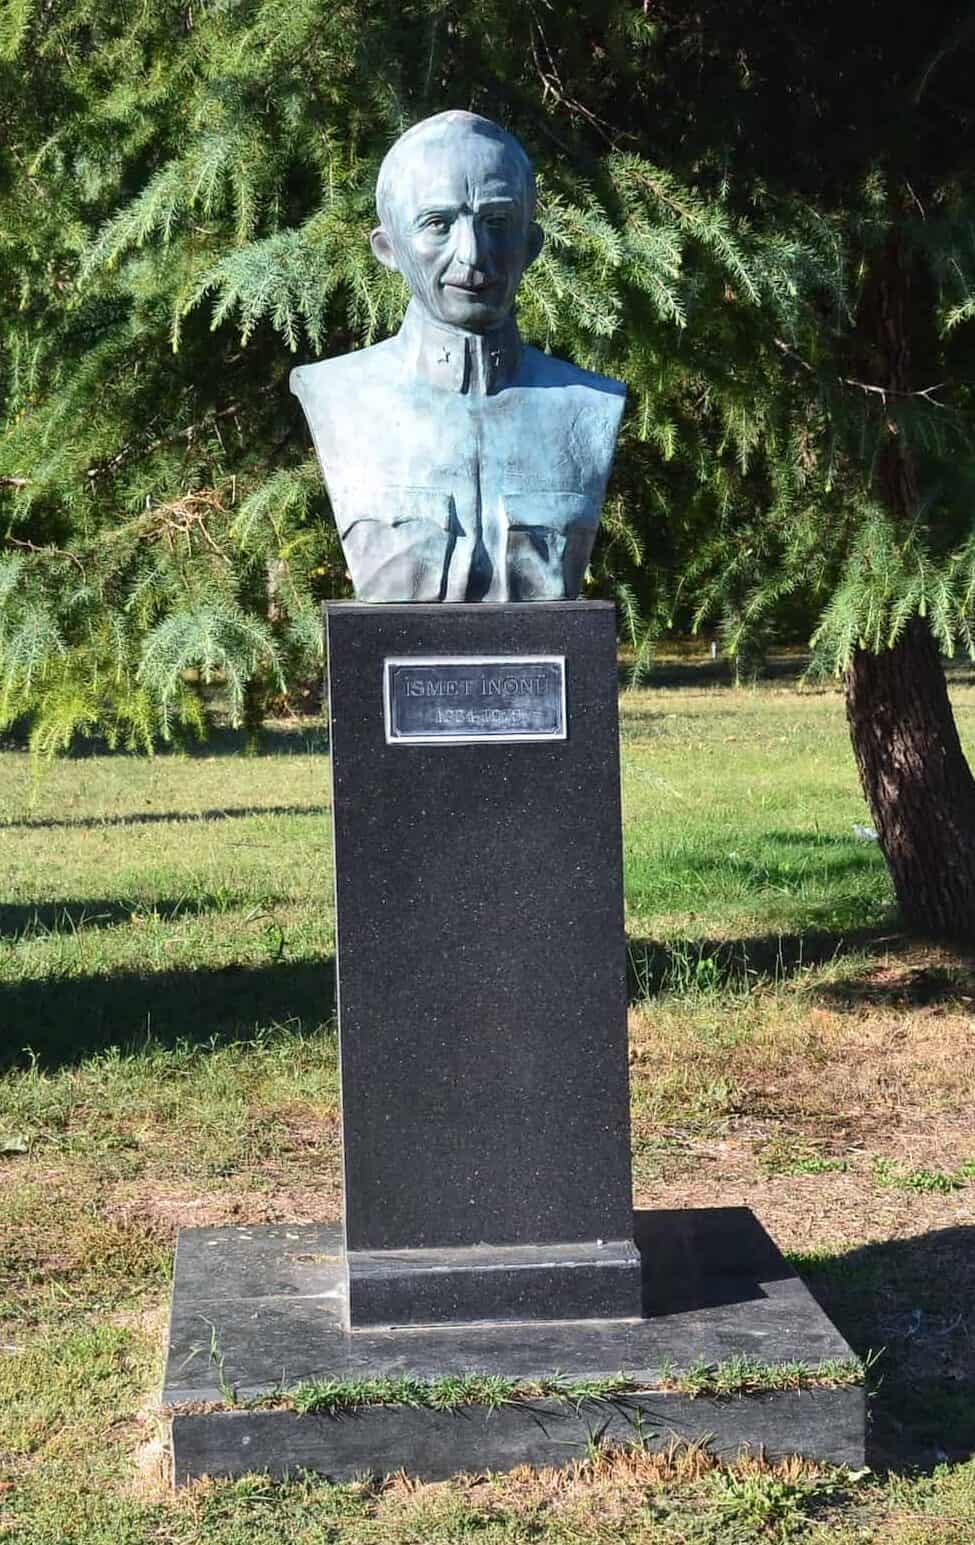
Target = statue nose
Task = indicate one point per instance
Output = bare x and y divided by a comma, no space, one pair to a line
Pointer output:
467,249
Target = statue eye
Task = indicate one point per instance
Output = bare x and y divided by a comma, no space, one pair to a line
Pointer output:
439,224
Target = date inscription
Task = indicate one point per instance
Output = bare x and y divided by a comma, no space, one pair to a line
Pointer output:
474,698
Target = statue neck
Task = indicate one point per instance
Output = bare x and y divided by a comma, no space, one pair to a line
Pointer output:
457,361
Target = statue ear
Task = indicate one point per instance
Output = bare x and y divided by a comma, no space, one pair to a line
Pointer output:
382,248
536,240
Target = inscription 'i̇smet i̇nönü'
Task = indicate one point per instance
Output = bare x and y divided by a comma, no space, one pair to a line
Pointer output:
471,697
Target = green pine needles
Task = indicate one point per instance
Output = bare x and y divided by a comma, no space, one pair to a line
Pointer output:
185,196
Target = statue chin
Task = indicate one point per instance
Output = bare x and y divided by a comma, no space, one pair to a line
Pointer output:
472,312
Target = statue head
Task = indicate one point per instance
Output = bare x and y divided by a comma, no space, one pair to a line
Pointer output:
456,205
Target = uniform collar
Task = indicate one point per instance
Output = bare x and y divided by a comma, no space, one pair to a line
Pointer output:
475,363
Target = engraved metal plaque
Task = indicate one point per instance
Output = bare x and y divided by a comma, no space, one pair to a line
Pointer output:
467,698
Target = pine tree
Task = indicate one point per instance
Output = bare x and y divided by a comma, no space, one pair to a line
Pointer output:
760,218
185,194
863,128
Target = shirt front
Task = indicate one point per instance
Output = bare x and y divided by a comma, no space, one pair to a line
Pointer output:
462,467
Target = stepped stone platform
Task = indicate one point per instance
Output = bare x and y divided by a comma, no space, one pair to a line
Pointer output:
260,1310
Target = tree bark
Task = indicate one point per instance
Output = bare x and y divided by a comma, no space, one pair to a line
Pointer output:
914,774
916,780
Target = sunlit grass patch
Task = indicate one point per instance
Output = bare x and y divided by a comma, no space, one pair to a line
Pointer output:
451,1393
739,1376
795,1156
188,1094
63,1254
901,1178
60,1390
166,942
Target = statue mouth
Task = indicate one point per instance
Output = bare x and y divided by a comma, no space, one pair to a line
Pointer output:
469,289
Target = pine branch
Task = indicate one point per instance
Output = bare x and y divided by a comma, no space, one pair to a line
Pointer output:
48,551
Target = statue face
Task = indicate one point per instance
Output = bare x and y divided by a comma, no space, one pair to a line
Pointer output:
458,227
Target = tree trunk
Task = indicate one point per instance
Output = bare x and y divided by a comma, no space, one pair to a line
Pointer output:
915,777
917,782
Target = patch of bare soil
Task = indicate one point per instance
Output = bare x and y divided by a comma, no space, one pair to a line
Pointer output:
834,1123
810,1212
848,1128
280,1199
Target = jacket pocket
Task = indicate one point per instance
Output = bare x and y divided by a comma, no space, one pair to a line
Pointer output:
550,537
397,541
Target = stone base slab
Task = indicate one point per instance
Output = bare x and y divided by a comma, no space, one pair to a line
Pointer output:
261,1309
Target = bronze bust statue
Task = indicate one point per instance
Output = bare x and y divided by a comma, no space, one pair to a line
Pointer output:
461,464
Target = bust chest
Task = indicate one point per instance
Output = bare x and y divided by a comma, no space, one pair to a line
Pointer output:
442,495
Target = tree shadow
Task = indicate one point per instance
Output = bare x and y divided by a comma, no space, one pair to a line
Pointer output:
655,966
908,986
44,917
913,1302
66,1019
157,817
636,723
719,672
60,1021
758,873
819,841
301,738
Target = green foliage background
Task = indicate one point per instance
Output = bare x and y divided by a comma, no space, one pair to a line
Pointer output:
185,195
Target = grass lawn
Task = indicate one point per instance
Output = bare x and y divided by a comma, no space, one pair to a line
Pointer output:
167,1058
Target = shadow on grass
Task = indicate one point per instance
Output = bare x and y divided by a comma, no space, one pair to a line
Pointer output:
655,967
157,817
638,717
297,739
912,1300
30,918
907,986
293,739
62,1020
713,673
778,668
757,874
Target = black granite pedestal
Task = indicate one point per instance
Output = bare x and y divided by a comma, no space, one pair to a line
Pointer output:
488,1223
259,1311
482,999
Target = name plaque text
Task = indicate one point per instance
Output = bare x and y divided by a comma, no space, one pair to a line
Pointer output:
465,698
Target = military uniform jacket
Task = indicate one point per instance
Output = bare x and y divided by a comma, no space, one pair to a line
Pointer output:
461,467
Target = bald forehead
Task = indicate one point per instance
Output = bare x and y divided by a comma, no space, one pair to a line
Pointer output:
452,163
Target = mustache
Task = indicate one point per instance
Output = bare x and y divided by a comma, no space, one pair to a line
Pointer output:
474,279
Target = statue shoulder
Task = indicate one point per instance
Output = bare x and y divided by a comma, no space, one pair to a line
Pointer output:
603,393
314,384
343,399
